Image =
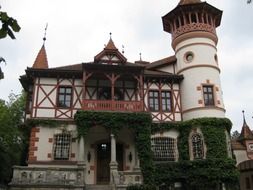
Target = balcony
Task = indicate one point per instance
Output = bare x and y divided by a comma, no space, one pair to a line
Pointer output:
112,105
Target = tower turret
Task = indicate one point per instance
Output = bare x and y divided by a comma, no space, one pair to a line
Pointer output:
192,25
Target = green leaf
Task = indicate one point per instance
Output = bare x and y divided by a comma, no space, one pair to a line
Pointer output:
4,17
15,27
3,33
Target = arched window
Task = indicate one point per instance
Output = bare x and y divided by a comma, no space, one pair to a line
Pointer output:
197,146
164,148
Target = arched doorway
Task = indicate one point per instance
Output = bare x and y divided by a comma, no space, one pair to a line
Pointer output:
104,158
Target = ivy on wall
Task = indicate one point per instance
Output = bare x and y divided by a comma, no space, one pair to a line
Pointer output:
215,169
140,123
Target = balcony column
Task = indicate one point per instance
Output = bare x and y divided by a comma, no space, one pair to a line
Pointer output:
136,160
113,163
81,160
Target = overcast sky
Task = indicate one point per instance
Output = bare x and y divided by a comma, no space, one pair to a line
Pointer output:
78,30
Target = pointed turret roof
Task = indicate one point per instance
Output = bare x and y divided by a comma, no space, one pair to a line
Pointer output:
185,2
41,59
110,45
111,52
246,133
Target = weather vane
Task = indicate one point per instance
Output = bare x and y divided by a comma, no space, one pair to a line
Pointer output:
45,33
123,49
140,57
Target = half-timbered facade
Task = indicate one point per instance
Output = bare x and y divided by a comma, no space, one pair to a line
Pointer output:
177,88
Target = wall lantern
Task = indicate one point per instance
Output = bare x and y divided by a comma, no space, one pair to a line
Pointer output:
130,157
88,156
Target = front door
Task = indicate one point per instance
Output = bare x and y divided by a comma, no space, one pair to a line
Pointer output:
103,161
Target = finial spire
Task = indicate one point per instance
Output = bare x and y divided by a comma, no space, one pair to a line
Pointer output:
45,34
244,120
140,57
110,35
123,49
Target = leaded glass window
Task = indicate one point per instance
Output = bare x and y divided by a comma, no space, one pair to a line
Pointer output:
164,148
62,146
197,146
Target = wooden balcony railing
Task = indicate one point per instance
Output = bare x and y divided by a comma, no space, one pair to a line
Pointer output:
110,105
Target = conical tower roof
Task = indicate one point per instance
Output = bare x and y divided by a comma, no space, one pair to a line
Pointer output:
110,45
246,133
41,59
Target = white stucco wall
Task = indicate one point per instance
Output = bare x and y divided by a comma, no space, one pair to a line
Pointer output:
240,155
202,70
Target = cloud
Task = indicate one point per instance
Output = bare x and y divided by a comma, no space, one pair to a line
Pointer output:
79,29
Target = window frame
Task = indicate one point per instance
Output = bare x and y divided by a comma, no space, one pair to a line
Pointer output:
161,150
61,147
208,96
160,98
65,94
197,147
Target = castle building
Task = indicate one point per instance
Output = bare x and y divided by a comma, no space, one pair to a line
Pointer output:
110,123
242,147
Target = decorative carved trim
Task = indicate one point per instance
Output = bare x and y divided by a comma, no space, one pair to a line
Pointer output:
194,34
193,27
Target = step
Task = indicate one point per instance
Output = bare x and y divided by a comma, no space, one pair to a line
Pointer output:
98,187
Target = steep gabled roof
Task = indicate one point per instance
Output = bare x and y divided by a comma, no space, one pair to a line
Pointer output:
110,55
246,133
162,62
185,2
41,59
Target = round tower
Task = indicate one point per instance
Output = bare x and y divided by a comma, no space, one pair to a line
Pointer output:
192,25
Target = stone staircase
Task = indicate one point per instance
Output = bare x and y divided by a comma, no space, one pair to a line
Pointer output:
98,187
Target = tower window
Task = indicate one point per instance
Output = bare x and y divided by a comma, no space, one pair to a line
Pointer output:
216,58
164,148
197,146
193,18
208,95
64,97
62,146
189,57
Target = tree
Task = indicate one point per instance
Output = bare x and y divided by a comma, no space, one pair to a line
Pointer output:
9,26
235,135
249,1
11,137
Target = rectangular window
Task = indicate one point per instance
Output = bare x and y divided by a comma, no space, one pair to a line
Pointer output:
208,95
62,146
166,101
159,100
64,97
154,100
164,148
